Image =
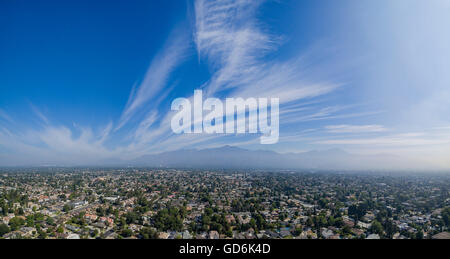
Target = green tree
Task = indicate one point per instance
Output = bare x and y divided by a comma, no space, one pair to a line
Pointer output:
419,234
16,222
50,221
4,229
126,233
67,208
376,228
148,233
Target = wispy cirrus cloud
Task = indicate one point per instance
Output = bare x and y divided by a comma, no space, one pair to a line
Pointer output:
232,41
157,75
355,128
54,144
38,113
428,138
5,116
226,34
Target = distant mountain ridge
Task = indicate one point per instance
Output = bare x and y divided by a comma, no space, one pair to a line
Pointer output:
229,157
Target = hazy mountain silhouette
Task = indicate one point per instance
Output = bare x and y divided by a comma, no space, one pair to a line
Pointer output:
229,157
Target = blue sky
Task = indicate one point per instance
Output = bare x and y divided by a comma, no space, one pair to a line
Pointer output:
87,81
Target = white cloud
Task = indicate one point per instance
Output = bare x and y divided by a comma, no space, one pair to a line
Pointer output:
157,75
39,114
56,145
355,128
5,116
235,44
396,140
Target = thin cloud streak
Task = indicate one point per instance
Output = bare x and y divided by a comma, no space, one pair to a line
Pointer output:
157,75
39,114
5,116
355,128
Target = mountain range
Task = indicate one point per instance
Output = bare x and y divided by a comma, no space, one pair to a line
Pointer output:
229,157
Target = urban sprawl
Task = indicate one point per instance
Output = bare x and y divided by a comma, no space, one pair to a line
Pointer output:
131,203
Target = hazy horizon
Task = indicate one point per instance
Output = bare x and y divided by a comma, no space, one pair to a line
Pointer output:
235,158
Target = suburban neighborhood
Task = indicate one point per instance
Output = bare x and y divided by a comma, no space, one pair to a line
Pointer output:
138,203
